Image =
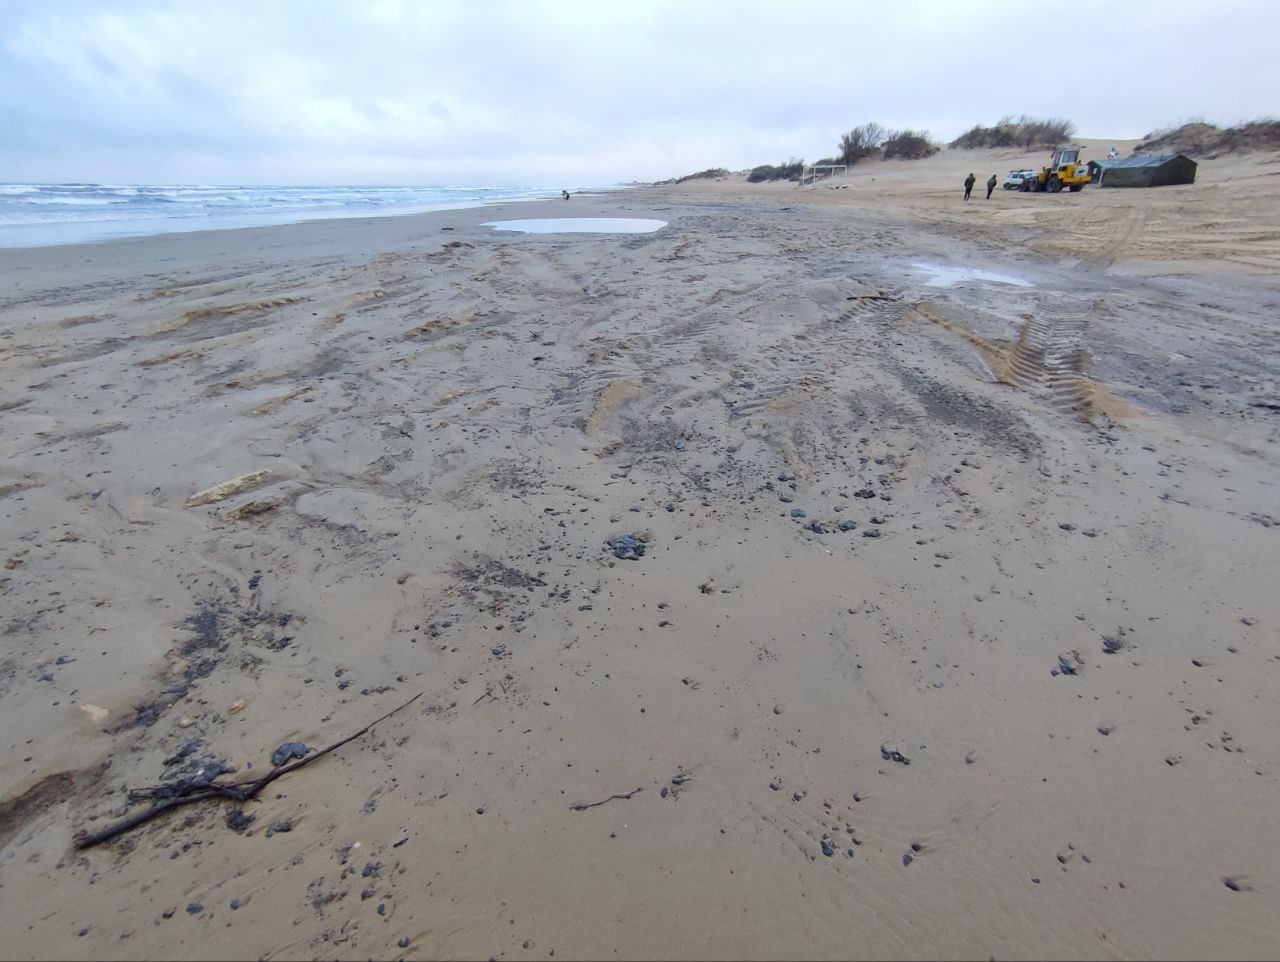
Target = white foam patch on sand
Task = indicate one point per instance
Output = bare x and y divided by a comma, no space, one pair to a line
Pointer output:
580,225
943,275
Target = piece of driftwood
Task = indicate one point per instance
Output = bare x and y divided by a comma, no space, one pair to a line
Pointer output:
236,791
583,806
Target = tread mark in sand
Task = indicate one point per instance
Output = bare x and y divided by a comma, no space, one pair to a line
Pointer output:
1128,233
1050,360
882,306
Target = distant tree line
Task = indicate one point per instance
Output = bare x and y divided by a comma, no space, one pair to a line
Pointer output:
789,170
863,141
909,145
1025,132
872,140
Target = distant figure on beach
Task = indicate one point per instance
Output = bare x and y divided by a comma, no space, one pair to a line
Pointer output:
565,192
968,185
1113,153
991,185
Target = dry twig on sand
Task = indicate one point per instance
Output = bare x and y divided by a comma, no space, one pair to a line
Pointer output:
236,791
583,806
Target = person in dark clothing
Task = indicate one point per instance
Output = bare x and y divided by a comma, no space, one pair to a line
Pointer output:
565,194
968,185
991,185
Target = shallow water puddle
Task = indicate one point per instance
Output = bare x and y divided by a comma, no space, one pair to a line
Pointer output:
580,225
942,275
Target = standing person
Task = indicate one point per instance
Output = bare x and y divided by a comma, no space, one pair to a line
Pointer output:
991,185
565,193
968,185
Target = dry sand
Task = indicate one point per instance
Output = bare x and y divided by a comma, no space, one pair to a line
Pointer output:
265,485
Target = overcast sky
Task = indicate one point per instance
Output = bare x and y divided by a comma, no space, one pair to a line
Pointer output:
595,92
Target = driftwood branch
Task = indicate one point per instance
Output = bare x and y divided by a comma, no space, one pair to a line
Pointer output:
583,806
236,791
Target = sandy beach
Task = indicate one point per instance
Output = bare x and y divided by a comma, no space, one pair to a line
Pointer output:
955,632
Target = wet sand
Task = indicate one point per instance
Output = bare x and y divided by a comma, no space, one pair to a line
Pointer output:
954,632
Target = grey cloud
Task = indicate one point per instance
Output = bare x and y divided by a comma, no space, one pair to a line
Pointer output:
303,92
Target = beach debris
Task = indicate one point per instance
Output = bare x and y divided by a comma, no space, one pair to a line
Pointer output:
287,751
827,848
797,512
199,789
1234,883
248,509
1068,666
188,770
238,819
673,788
871,533
583,806
96,712
893,755
627,547
907,858
1110,645
848,524
229,489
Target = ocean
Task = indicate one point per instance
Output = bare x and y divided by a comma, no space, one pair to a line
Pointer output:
37,215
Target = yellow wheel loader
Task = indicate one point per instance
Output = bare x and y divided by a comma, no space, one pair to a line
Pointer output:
1065,170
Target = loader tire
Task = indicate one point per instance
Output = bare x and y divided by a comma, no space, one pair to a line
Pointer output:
1054,185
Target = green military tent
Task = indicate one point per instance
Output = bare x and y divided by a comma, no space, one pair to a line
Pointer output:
1145,170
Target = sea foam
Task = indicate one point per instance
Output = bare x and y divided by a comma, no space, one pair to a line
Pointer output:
34,215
